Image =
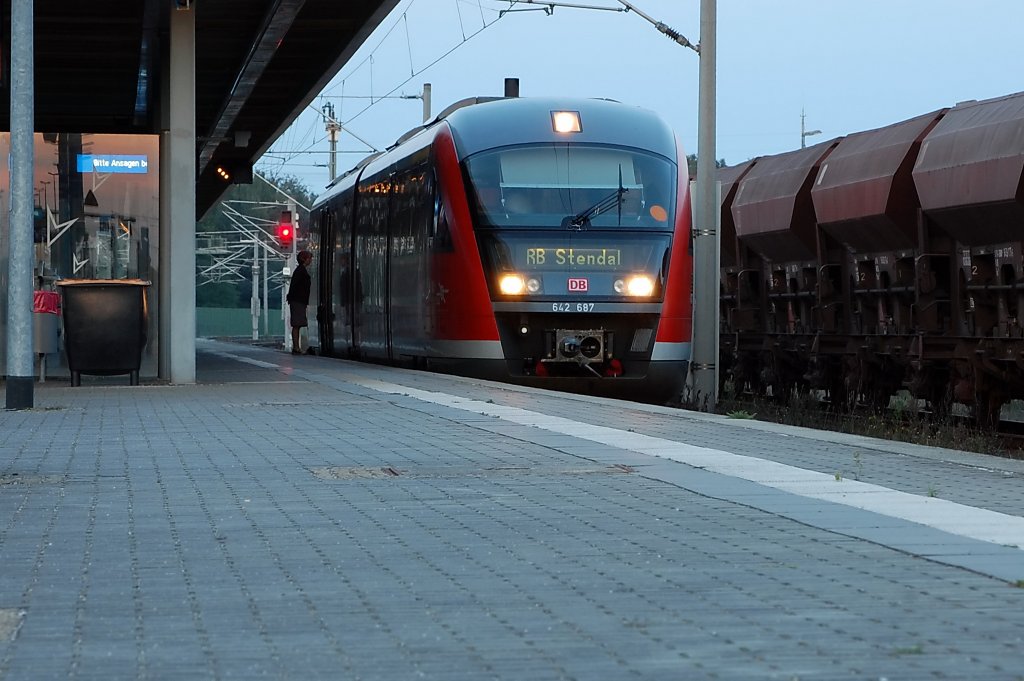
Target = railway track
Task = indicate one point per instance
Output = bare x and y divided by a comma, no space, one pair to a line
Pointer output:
898,422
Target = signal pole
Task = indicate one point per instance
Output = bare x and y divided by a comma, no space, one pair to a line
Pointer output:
289,267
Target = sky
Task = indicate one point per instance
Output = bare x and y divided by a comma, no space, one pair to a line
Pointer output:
847,65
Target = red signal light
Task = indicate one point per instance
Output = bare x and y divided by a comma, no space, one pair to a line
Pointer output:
285,230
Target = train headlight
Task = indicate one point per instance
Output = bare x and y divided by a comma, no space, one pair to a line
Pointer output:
639,286
566,121
517,284
512,284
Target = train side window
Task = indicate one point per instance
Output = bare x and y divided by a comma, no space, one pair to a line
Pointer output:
441,238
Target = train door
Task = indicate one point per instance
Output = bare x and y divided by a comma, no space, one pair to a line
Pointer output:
372,269
324,265
409,271
343,288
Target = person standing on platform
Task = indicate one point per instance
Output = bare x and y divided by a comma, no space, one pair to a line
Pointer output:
298,299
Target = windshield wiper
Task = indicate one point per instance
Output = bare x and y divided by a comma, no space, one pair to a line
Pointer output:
613,200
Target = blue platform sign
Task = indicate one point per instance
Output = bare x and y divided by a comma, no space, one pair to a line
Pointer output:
113,163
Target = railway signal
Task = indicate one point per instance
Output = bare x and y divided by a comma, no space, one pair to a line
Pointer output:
286,230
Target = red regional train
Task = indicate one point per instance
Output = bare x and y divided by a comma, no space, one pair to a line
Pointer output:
537,241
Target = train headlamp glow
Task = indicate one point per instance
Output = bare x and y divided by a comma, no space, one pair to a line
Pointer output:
639,286
516,285
512,284
566,121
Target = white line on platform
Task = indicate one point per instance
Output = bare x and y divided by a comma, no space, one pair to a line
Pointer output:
948,516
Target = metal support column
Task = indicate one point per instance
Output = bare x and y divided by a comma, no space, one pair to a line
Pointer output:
20,256
254,296
266,294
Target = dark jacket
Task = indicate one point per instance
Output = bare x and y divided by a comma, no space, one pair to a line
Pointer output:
298,290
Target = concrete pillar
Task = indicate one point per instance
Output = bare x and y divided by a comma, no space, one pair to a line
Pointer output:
177,352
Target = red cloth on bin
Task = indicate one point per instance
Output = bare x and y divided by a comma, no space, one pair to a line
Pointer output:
46,301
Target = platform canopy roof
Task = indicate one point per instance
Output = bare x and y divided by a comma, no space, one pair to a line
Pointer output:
99,66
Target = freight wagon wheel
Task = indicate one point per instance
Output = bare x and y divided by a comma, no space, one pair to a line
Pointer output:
841,396
883,378
940,397
989,395
987,407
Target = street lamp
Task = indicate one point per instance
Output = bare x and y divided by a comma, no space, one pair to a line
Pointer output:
804,133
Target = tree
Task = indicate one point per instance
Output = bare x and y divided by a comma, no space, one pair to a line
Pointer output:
236,293
691,164
218,294
259,190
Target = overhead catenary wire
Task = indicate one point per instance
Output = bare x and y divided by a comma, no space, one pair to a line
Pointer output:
375,99
408,42
428,66
340,124
461,24
663,28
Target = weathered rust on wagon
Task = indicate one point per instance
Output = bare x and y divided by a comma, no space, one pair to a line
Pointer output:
892,259
773,210
864,193
969,172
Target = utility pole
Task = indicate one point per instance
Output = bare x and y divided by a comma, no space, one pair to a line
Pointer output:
804,134
706,249
333,128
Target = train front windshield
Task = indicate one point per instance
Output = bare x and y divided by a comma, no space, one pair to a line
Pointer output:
583,222
572,186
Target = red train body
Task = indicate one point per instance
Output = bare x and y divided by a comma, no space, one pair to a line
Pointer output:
887,260
492,244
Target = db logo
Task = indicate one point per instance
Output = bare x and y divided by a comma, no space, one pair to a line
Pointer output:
577,285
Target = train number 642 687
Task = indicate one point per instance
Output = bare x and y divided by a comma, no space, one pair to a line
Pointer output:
572,307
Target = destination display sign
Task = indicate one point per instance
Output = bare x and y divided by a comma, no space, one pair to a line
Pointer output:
590,258
113,163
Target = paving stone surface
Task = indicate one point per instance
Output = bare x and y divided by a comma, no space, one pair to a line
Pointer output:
285,519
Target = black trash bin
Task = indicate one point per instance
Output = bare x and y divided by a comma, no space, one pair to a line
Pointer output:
105,322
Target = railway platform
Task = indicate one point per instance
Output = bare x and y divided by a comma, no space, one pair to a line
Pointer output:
297,517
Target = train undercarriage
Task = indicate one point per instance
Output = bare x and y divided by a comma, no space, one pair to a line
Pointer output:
868,371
